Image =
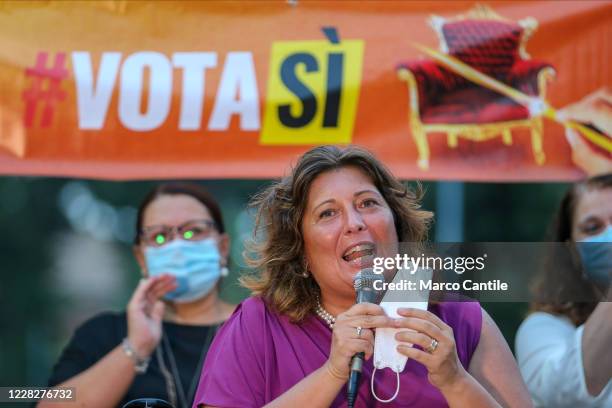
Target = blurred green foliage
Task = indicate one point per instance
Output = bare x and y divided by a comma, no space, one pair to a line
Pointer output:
31,334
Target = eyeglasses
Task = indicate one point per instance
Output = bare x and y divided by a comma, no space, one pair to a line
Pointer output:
194,230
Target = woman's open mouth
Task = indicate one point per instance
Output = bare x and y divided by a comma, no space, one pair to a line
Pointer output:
360,255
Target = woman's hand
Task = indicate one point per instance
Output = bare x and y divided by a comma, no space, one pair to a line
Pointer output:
442,363
346,342
145,311
593,109
585,157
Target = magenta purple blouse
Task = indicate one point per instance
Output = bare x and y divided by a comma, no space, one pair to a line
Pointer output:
258,355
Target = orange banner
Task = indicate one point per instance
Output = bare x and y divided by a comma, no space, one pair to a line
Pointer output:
490,91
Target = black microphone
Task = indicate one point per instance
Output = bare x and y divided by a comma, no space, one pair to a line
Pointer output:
363,283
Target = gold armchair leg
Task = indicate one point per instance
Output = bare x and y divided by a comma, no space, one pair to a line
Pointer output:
420,139
418,133
544,76
452,139
536,141
507,136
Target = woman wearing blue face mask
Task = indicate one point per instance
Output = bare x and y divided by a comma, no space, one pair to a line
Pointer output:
156,348
563,349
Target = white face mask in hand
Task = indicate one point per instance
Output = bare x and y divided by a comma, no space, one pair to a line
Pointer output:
385,344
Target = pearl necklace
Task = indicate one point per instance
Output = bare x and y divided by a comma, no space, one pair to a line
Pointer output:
325,315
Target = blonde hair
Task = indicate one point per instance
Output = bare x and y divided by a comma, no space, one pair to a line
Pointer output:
277,248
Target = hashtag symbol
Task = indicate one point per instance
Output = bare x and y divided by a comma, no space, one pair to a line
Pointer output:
49,96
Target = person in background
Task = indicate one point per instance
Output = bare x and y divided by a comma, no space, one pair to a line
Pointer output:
563,348
156,347
291,343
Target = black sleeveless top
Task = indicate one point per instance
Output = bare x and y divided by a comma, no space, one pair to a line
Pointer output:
102,333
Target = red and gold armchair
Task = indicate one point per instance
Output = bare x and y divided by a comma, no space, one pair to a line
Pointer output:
443,101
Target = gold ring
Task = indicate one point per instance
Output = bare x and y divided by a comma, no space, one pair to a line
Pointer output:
433,346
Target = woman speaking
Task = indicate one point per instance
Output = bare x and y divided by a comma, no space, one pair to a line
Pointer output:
290,344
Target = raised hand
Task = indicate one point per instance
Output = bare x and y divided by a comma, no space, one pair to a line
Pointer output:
145,311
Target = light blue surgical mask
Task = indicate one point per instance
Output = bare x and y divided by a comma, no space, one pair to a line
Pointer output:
195,264
596,256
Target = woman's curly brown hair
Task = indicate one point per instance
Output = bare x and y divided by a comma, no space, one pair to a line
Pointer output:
277,248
